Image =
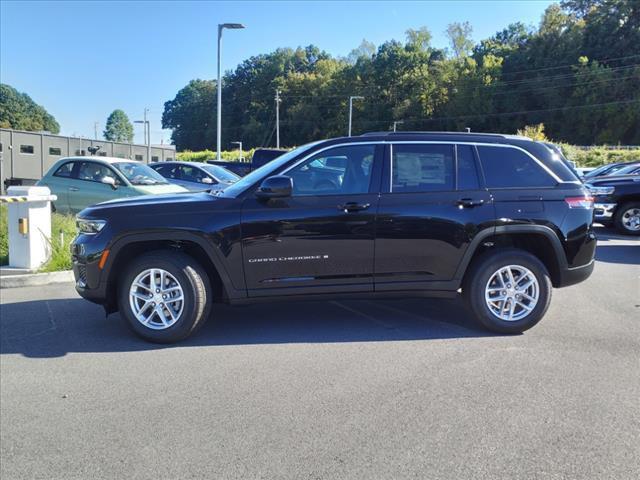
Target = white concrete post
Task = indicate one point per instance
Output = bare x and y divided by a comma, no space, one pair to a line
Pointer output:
29,222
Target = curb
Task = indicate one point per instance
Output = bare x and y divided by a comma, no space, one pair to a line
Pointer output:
35,279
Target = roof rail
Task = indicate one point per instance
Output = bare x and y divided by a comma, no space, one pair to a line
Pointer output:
406,132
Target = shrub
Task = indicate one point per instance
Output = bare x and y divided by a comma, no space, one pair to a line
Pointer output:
60,244
204,155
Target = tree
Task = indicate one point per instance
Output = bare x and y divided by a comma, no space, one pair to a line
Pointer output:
534,132
191,115
365,50
19,111
118,127
459,35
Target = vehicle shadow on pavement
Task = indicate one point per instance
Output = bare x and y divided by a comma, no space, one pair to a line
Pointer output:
53,328
628,254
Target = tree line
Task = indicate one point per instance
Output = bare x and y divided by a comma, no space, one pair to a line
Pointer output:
578,72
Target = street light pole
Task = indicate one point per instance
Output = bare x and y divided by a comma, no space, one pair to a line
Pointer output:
221,26
147,126
351,99
239,148
278,118
397,122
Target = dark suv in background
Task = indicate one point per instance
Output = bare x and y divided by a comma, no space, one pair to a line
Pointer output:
497,218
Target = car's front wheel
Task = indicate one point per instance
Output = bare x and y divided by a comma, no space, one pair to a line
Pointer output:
164,296
508,291
627,218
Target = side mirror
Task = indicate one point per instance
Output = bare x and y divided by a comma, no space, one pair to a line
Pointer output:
110,181
207,180
278,186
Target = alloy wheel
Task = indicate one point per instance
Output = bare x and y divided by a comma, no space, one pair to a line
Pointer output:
512,293
156,299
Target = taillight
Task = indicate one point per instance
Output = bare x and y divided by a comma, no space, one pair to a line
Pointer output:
580,202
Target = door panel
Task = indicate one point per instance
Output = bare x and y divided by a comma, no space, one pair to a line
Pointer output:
425,223
321,239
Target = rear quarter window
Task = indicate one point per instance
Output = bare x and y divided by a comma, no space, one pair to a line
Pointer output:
506,167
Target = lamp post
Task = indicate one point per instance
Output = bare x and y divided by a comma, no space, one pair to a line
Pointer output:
351,99
221,26
397,122
239,148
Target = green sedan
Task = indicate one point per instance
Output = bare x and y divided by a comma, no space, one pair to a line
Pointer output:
82,181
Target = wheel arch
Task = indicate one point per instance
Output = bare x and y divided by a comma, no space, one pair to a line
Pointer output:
539,240
128,247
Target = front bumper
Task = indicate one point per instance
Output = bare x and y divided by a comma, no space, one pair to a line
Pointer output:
603,211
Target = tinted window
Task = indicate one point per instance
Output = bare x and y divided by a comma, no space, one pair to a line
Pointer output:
508,167
467,171
55,151
138,157
323,175
65,170
154,158
422,168
167,171
28,149
94,172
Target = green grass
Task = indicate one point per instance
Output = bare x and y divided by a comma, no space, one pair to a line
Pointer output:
60,244
60,252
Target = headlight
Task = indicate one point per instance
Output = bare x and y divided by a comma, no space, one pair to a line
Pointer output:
601,190
89,226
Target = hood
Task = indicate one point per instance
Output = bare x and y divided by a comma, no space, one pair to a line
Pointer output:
184,196
156,189
613,180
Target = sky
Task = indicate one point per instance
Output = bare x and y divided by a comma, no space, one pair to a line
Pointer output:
83,59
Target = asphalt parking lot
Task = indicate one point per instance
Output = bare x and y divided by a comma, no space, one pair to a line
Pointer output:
346,389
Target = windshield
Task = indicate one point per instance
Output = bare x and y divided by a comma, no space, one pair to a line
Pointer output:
604,170
629,170
264,171
221,173
140,174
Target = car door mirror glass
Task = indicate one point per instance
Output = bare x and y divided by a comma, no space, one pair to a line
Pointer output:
277,186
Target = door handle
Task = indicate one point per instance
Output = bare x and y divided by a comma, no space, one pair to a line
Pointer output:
73,189
469,203
353,207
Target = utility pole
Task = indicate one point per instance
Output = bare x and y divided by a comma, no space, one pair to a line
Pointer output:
398,122
351,99
95,130
278,118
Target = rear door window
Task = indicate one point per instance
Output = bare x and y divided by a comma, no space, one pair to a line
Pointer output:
422,168
506,167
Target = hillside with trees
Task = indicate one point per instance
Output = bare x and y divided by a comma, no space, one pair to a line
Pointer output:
578,72
19,111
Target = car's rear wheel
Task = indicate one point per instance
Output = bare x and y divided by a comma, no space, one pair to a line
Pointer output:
165,296
508,291
627,218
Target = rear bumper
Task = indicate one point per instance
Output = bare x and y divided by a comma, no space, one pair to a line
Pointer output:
571,276
603,211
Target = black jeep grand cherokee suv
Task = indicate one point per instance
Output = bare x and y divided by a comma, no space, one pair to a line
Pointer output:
501,219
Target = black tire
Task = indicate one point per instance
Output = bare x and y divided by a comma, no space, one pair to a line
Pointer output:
195,285
619,218
481,271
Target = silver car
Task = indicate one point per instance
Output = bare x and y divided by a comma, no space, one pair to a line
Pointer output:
196,176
